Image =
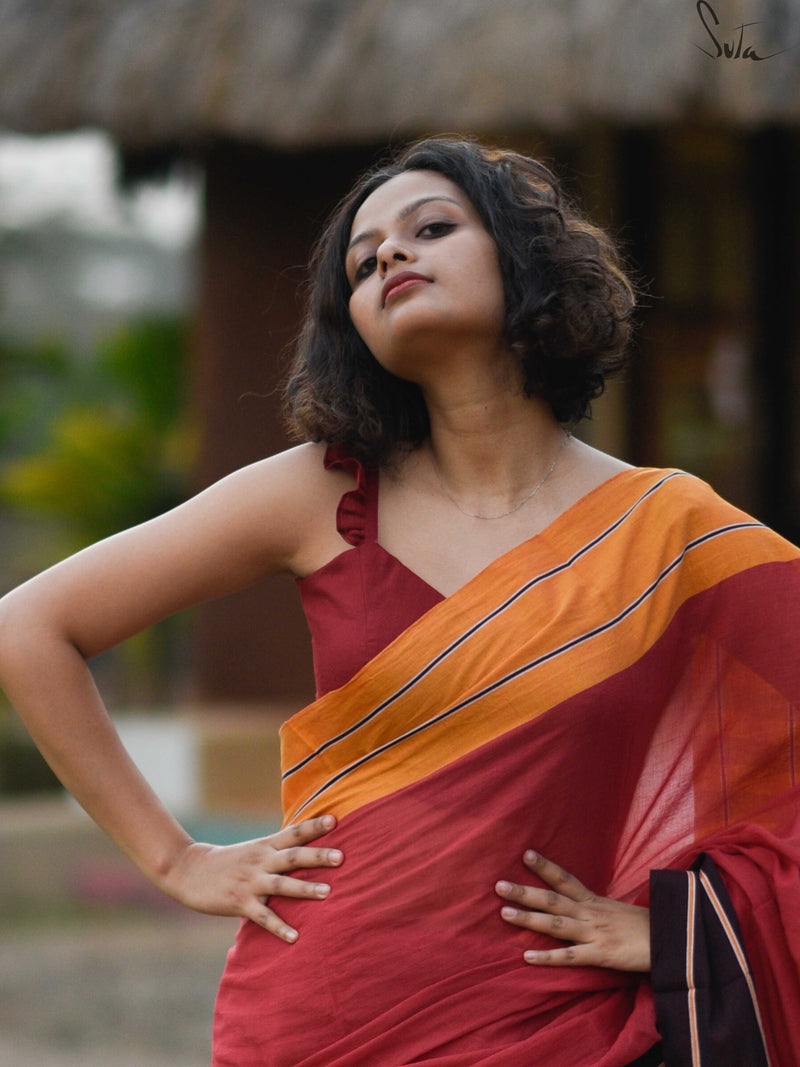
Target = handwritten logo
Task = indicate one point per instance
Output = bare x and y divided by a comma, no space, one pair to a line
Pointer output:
735,48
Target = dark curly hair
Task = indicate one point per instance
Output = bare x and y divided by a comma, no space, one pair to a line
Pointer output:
568,304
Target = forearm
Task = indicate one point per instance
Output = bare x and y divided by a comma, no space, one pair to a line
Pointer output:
48,682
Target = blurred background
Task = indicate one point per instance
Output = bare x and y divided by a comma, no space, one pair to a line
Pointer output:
164,168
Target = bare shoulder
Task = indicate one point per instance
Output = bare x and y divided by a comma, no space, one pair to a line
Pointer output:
597,465
584,469
280,505
287,480
299,474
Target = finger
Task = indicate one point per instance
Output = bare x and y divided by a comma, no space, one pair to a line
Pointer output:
265,917
292,859
302,832
570,956
558,926
539,899
562,881
278,885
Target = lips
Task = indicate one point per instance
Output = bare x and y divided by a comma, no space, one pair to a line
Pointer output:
398,283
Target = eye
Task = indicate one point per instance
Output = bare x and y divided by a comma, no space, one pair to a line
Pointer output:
364,268
436,229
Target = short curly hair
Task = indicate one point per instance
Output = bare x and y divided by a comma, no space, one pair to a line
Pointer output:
568,304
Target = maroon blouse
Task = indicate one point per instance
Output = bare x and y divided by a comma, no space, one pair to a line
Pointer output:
363,598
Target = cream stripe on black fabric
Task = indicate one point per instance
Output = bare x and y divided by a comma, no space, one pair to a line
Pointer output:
706,1007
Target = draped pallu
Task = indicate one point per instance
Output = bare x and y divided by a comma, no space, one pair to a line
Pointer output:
620,693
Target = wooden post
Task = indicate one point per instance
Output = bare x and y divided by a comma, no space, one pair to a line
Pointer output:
263,211
775,174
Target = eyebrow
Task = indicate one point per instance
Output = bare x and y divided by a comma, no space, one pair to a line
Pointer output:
402,215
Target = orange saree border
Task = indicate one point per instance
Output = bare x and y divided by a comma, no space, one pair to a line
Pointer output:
533,629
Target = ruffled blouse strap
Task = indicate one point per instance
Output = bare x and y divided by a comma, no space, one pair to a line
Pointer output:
357,513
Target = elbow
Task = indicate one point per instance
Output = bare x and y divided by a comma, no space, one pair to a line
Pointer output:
22,632
32,629
11,627
33,625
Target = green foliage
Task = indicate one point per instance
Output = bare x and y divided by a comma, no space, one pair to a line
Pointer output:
34,379
22,769
88,446
146,364
99,444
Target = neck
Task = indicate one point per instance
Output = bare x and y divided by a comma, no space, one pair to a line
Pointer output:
490,455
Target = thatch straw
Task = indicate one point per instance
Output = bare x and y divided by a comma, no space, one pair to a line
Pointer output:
293,73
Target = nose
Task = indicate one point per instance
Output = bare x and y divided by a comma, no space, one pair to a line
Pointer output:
390,251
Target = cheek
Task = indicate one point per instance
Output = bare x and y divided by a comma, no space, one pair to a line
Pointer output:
483,299
355,316
363,322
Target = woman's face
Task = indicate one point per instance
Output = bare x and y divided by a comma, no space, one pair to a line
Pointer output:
424,274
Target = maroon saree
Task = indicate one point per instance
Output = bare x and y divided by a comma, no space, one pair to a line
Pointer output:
620,693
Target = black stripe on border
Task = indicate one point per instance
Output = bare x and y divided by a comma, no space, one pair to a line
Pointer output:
526,587
726,1015
524,668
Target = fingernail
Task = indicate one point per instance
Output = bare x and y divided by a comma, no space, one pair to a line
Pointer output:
328,822
291,936
508,913
335,856
531,957
321,889
530,856
504,887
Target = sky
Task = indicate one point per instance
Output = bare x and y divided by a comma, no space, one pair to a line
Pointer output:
91,255
71,177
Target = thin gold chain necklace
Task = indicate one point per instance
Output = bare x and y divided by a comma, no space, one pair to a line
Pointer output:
525,499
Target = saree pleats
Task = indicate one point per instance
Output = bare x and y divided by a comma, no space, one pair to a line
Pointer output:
620,693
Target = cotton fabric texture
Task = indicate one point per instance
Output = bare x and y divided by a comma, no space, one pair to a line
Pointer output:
621,693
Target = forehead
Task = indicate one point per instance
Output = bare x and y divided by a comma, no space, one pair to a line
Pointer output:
395,194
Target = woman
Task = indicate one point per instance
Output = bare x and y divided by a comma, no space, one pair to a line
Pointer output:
519,641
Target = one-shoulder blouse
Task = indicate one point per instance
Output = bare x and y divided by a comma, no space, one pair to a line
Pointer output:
357,604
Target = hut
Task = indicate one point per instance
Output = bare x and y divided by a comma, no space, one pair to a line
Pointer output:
677,124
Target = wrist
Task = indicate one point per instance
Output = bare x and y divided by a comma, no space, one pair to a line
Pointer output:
162,866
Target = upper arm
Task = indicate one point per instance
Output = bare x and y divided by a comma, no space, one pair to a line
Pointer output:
258,521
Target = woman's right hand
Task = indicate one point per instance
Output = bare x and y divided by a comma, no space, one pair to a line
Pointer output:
238,879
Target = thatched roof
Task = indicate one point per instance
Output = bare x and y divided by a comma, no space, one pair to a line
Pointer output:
291,73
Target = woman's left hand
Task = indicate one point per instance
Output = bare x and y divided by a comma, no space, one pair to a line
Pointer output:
603,932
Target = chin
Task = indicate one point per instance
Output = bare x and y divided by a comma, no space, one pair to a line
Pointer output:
421,340
412,361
